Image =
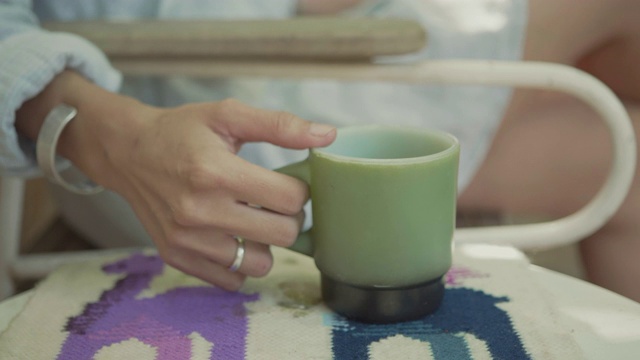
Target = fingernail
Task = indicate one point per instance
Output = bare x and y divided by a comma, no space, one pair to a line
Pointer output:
320,130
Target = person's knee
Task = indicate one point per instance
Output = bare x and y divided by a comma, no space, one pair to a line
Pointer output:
551,38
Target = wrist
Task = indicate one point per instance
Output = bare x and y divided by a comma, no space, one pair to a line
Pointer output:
102,118
105,126
46,145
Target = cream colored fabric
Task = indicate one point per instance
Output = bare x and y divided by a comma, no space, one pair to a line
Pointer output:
150,311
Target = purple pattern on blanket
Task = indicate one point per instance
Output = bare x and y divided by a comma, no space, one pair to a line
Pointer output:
163,322
456,275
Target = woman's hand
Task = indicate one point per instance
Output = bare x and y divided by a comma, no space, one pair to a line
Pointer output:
181,174
179,171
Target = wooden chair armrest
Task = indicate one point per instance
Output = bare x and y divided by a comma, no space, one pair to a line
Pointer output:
297,39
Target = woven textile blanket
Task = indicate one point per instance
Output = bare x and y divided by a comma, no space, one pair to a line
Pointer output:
136,307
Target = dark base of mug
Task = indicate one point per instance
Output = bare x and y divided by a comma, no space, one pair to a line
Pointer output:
382,305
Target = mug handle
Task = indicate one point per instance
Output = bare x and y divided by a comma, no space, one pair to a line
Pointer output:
536,75
300,170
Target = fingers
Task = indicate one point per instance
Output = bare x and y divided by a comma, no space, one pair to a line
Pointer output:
208,255
201,267
250,183
247,221
222,249
276,127
232,177
201,256
265,226
268,189
258,227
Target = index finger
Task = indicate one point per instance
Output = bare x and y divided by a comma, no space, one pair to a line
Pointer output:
269,189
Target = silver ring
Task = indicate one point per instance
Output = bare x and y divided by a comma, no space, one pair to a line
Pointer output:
239,255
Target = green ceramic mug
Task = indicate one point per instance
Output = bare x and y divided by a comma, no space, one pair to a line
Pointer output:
384,203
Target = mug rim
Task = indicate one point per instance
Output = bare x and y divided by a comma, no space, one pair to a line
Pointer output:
454,145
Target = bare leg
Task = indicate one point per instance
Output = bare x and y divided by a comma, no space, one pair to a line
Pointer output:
551,153
616,63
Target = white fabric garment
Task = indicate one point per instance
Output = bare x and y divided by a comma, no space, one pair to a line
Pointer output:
458,29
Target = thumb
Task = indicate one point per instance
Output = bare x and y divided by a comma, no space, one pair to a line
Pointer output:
280,128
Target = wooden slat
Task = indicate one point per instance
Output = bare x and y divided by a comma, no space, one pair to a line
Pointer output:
305,38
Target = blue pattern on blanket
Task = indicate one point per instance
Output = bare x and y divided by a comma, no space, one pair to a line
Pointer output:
463,311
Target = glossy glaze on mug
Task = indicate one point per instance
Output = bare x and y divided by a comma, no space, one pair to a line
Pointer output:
384,205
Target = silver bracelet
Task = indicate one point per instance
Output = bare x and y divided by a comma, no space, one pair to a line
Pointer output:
46,146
